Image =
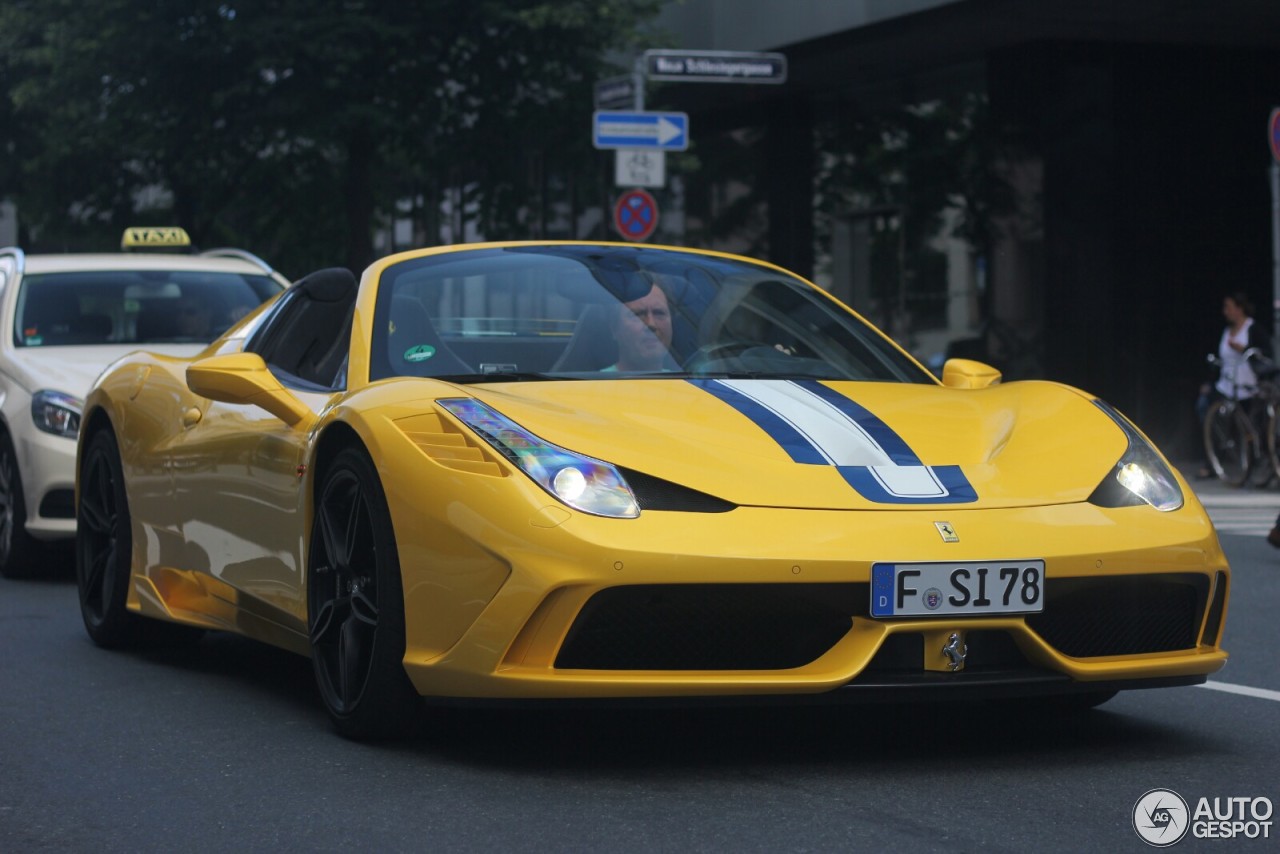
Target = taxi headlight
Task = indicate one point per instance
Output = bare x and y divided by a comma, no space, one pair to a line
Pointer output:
583,483
1140,477
56,413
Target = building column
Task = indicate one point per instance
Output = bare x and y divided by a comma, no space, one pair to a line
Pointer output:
788,176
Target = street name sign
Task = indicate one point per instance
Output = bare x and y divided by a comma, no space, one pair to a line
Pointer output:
715,66
662,131
616,93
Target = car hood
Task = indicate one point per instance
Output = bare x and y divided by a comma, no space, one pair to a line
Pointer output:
72,370
836,445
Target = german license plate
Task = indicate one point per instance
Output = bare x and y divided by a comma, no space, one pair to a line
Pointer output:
949,589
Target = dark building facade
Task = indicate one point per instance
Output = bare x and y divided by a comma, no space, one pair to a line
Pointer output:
1067,189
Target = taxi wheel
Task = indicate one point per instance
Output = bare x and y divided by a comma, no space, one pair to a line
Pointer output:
355,605
19,551
104,544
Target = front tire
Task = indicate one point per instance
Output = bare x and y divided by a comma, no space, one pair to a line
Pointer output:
356,605
104,544
19,551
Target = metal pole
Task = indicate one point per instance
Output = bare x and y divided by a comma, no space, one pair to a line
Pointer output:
1275,259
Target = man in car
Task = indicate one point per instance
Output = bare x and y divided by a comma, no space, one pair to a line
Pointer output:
643,331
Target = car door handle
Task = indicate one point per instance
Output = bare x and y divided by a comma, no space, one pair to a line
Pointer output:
191,417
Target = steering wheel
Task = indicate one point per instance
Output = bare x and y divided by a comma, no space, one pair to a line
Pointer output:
718,351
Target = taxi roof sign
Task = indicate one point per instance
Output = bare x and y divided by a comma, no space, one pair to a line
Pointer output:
149,237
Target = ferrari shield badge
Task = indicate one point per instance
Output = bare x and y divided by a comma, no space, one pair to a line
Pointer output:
948,533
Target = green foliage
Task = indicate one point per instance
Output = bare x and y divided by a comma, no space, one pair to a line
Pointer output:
293,127
916,162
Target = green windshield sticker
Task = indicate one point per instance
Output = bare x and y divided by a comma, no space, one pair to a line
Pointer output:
420,353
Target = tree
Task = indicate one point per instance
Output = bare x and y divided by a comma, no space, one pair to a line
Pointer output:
290,126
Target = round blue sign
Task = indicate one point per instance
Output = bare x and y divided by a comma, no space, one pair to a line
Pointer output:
635,215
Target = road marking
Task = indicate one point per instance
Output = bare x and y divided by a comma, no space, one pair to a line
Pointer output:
1244,513
1260,693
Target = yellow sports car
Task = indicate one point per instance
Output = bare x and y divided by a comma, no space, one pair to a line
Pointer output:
588,470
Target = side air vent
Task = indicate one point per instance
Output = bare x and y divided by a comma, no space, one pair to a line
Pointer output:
440,441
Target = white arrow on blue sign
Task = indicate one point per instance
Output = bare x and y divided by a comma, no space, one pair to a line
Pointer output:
666,131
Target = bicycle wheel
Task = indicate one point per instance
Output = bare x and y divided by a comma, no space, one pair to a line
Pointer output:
1261,468
1227,442
1273,439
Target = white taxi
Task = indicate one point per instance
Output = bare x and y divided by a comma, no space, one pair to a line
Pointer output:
63,318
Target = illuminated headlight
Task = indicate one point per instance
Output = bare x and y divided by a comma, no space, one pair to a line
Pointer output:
1140,477
581,482
56,413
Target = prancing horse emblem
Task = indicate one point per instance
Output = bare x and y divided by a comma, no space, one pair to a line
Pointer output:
948,533
956,650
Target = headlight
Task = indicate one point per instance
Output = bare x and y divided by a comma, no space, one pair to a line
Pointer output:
1140,477
581,482
57,413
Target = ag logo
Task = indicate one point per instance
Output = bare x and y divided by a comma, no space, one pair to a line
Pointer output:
1161,817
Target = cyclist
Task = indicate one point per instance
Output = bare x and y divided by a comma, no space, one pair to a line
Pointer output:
1236,378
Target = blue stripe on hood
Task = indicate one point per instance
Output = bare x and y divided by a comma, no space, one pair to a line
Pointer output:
948,485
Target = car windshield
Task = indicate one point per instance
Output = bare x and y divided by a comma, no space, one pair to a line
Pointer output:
134,306
598,311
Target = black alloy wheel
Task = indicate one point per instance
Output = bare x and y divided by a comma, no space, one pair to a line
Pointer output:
356,605
104,544
19,551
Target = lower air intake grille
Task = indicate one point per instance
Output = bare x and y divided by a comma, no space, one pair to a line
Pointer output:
58,504
710,626
1086,617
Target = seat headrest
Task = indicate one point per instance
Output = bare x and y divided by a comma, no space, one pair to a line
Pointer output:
332,284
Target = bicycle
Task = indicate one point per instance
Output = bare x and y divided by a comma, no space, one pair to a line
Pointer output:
1242,435
1269,394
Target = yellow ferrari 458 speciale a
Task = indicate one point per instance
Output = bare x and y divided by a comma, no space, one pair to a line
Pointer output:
591,470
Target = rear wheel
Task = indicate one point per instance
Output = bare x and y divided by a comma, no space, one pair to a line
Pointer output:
1261,467
104,544
1273,440
19,551
1228,442
356,605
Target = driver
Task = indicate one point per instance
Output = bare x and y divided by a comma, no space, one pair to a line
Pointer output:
642,328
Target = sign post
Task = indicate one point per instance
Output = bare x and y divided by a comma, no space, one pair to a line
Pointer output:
641,138
1273,137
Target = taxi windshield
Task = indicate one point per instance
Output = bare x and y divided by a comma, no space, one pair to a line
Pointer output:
134,306
600,312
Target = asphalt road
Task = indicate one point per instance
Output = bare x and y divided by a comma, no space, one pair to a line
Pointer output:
223,746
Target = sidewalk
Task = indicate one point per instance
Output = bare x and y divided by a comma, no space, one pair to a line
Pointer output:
1213,490
1245,510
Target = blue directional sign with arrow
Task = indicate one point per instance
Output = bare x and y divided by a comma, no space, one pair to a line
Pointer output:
664,131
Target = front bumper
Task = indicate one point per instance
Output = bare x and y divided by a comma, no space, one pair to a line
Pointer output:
772,602
47,464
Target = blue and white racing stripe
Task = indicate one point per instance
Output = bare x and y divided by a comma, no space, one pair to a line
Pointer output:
818,426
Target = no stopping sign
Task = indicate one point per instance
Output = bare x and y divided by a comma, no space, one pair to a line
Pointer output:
635,214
